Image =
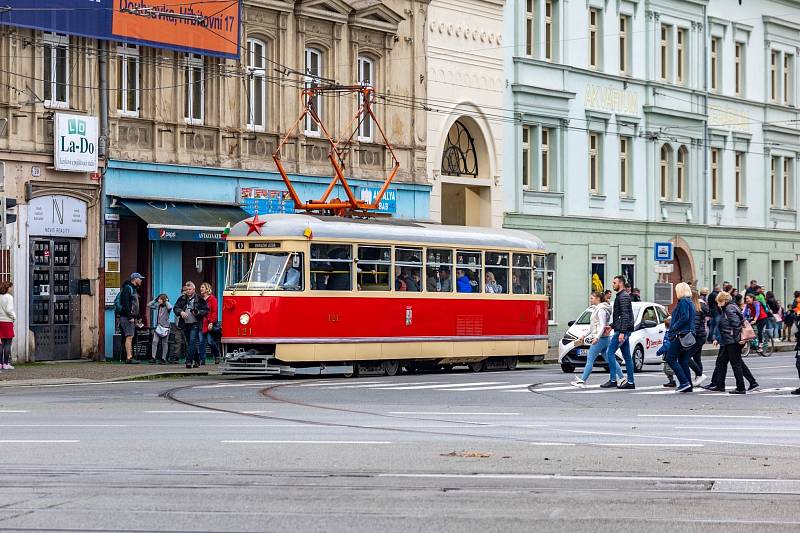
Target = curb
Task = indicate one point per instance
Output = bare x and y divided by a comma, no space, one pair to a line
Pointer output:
83,381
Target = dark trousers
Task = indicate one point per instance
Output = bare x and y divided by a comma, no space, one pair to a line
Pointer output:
797,363
5,351
678,361
760,325
192,333
725,357
696,356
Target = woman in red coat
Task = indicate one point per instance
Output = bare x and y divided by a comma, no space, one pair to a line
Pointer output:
207,336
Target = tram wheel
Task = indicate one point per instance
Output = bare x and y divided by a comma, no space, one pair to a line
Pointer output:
511,363
391,367
479,366
354,373
411,368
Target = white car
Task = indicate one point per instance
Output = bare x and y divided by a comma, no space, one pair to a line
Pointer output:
647,337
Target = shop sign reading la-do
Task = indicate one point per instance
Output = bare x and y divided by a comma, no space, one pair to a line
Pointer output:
75,143
57,216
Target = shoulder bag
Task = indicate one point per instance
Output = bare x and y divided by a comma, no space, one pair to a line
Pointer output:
748,333
687,340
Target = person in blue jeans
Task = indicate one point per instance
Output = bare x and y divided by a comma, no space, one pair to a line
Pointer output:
597,337
682,324
623,323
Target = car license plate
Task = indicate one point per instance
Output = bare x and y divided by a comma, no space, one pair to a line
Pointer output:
583,353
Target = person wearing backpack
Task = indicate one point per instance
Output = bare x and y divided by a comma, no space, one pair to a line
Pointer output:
126,307
163,308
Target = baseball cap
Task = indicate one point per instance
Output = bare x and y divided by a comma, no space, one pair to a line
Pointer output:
136,275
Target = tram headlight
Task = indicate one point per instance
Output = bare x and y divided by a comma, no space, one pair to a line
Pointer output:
244,319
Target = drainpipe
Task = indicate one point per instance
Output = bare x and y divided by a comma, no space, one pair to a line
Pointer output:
706,140
103,153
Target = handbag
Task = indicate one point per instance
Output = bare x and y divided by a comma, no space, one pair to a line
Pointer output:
161,331
215,327
747,332
687,340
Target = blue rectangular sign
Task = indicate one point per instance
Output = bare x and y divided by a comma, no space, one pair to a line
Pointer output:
662,251
388,202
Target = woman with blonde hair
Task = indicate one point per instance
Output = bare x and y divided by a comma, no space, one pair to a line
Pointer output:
210,324
681,337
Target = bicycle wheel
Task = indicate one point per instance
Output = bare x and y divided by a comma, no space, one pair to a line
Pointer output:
768,346
746,349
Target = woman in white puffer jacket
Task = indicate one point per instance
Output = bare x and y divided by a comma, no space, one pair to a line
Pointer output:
598,337
7,319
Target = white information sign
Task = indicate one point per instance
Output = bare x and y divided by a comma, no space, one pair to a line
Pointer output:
57,216
75,140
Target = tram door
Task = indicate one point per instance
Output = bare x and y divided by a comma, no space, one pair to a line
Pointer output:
55,304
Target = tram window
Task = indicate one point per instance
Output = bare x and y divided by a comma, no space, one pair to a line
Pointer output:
331,267
374,268
265,271
408,269
521,274
496,281
439,270
468,271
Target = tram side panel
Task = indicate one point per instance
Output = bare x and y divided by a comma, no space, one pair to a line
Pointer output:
307,329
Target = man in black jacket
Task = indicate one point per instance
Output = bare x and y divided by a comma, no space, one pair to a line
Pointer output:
622,322
190,310
129,313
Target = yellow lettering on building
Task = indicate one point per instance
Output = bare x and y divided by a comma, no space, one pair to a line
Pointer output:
728,118
611,99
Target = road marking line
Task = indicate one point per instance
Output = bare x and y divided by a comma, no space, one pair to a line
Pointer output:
450,386
382,385
64,425
30,441
704,416
551,443
195,412
662,437
649,444
449,413
305,442
328,383
4,411
567,387
737,428
256,412
495,387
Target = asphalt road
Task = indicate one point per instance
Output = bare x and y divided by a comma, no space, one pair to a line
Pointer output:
494,451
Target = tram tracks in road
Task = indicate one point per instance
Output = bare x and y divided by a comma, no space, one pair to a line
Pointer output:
269,393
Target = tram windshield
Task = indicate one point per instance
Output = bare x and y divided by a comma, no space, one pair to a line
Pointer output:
265,271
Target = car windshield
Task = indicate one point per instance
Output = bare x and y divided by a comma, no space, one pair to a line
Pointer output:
585,318
264,271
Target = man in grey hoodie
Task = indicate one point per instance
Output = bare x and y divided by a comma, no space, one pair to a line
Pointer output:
162,308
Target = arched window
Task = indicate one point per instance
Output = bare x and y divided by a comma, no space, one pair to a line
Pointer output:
313,72
366,78
459,157
256,84
680,173
666,155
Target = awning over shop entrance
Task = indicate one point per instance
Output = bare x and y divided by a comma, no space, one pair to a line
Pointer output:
175,221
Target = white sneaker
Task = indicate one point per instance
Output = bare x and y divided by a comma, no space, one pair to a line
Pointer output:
578,382
9,367
622,382
699,380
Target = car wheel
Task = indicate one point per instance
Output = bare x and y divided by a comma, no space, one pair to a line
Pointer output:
567,368
638,359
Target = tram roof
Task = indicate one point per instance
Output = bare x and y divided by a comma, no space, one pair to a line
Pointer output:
390,230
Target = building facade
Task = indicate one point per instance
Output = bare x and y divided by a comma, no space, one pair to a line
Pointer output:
190,141
465,80
645,121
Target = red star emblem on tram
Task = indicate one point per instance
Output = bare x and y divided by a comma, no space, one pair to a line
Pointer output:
254,225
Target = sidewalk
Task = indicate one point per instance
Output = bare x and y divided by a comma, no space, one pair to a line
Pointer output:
84,371
708,351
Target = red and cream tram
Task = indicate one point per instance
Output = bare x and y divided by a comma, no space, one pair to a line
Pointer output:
317,294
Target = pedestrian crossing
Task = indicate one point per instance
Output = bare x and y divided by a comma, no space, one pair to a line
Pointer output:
509,387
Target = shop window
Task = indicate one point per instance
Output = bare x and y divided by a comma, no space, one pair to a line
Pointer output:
439,270
496,280
56,70
408,269
522,274
628,269
375,268
598,281
331,267
468,271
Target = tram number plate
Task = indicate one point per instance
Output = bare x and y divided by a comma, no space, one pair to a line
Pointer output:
265,245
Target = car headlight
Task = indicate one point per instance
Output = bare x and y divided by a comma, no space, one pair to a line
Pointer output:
244,319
